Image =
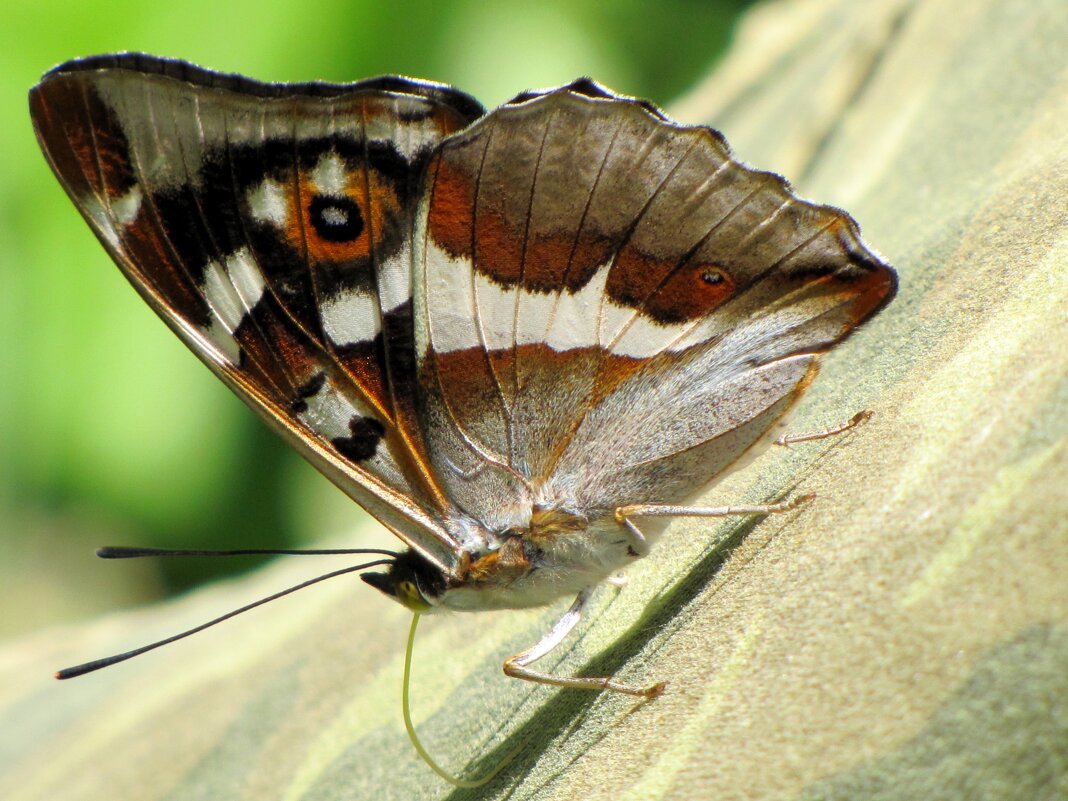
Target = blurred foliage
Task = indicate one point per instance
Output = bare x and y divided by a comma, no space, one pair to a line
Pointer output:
110,432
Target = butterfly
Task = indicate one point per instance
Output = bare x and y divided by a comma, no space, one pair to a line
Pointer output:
523,340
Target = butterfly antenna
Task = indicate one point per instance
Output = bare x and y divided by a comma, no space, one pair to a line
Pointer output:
89,667
410,727
121,552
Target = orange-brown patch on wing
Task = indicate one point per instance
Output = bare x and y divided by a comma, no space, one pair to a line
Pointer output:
114,162
365,368
288,361
507,254
488,237
151,259
690,293
556,260
265,369
571,383
82,137
465,373
878,286
272,346
563,260
665,291
360,182
498,245
451,213
870,293
635,275
866,284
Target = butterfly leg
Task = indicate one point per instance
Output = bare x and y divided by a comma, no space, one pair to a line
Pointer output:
639,545
625,513
786,440
518,666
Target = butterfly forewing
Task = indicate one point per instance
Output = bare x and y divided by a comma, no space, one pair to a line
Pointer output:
610,309
270,226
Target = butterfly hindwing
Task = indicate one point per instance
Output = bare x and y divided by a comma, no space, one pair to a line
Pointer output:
269,225
610,308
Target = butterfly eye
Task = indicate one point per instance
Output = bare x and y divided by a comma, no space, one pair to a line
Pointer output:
409,595
335,218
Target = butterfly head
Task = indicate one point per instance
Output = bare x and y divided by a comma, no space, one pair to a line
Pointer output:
411,580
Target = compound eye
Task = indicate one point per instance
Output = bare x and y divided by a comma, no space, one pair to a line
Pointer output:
409,595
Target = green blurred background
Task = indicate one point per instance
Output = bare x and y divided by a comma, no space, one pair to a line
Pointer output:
110,431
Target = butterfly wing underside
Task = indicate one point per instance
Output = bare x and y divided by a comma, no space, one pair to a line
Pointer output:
610,309
269,226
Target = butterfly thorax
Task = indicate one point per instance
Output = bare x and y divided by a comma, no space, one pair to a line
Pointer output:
556,554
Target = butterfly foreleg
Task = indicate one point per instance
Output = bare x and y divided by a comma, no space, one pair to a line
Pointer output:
786,440
518,666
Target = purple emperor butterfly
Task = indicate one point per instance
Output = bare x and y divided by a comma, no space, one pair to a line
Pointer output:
521,339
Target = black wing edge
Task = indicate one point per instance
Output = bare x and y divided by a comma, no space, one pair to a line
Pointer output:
595,90
179,70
